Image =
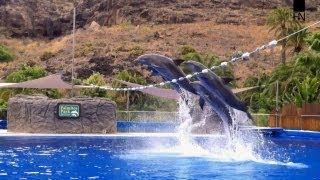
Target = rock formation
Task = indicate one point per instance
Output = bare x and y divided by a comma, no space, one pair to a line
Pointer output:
38,114
53,18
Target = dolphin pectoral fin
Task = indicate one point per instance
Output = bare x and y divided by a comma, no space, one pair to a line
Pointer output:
226,80
201,103
178,61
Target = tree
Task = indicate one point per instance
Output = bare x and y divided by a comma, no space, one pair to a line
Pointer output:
280,21
297,40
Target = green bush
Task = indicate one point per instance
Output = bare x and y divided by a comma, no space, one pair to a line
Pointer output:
95,79
5,55
26,73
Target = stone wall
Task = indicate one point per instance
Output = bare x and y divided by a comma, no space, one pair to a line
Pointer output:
38,114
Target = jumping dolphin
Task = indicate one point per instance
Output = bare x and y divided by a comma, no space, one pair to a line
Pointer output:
215,103
213,83
167,69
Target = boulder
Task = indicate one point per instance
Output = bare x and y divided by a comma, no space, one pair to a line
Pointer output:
39,114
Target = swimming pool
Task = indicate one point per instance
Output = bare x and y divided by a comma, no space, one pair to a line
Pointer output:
152,156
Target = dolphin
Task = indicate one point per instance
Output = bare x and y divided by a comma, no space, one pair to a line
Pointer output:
214,84
167,69
215,103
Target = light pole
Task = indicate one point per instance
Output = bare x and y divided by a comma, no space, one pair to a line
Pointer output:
73,46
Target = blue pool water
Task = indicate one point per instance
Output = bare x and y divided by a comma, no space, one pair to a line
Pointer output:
152,157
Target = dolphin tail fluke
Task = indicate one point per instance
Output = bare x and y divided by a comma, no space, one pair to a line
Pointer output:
201,103
249,116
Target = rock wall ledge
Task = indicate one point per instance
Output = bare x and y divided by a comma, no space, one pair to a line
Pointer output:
39,114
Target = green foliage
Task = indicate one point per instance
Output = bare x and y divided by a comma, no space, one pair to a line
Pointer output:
46,55
3,109
121,97
95,79
25,74
261,120
297,41
52,93
5,54
298,83
136,51
306,91
281,22
186,49
138,100
314,41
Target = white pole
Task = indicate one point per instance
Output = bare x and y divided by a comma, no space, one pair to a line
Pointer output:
277,106
73,46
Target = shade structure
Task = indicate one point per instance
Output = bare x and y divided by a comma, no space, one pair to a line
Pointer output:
53,81
159,92
172,94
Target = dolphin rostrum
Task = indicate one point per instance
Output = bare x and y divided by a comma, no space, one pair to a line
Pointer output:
167,69
213,83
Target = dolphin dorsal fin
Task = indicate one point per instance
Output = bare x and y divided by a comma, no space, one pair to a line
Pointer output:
201,103
178,61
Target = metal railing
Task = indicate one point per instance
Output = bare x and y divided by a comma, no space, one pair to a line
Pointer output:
148,116
160,116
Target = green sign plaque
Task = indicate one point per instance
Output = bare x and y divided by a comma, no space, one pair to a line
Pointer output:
68,110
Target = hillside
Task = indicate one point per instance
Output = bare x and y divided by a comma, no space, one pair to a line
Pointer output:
111,34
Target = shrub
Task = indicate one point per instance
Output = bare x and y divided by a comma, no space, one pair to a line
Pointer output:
85,49
46,55
186,49
26,73
136,51
126,24
5,55
95,79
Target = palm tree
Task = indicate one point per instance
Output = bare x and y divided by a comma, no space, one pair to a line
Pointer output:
297,40
281,21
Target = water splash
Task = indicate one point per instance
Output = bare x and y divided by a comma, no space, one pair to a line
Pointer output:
234,145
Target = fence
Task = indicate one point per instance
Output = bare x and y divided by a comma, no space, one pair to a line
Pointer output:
158,116
291,117
148,116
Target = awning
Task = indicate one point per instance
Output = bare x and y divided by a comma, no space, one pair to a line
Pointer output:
172,94
159,92
53,81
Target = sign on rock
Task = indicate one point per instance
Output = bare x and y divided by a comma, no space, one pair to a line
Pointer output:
68,110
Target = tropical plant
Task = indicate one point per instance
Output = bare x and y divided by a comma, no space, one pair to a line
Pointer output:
122,97
306,91
281,22
298,82
297,41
